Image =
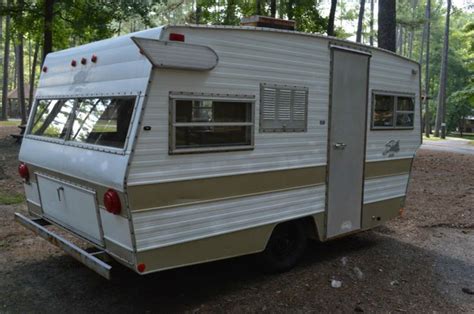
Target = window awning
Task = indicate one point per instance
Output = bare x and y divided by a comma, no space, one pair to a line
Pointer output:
177,55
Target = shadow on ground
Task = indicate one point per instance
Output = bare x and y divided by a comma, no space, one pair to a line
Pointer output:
396,276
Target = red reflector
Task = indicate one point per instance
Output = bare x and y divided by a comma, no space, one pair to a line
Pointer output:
141,267
176,37
83,61
112,202
73,63
23,171
94,58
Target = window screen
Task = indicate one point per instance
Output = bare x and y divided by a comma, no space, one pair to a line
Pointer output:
200,125
283,108
391,111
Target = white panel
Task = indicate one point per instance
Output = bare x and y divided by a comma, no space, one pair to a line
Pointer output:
90,165
116,228
389,73
120,68
71,206
382,188
243,66
165,227
31,192
177,55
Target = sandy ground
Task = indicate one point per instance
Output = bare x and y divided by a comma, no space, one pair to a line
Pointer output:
420,262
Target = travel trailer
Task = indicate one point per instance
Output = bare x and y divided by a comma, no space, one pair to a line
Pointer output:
180,145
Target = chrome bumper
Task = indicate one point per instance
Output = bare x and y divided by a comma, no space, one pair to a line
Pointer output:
88,259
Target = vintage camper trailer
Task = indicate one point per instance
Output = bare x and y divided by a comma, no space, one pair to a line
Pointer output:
186,144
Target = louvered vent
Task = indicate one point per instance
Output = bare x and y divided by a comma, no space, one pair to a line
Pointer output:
283,108
268,103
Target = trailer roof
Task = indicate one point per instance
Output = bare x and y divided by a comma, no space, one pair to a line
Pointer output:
274,30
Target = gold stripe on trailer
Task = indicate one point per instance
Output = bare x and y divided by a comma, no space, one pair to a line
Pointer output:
152,196
387,167
169,194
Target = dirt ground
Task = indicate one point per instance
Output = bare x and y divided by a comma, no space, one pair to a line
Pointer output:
420,262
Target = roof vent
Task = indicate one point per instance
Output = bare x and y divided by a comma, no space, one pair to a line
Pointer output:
266,21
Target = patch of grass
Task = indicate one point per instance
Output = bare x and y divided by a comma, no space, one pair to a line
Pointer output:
11,198
10,123
432,138
466,136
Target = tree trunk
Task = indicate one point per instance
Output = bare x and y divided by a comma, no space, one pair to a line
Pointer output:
360,21
290,9
20,76
332,14
229,17
6,62
198,12
273,5
440,112
258,10
427,68
33,77
387,25
48,28
371,22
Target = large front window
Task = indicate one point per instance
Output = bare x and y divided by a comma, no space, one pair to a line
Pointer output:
103,121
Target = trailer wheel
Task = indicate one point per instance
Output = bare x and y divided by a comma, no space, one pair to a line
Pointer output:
285,247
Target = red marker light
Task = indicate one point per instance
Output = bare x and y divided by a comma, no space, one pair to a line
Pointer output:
73,63
112,202
23,171
45,69
176,37
83,61
141,267
94,58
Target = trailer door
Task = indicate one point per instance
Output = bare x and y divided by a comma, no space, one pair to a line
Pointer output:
347,139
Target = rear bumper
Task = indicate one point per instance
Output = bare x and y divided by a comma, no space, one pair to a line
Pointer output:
88,259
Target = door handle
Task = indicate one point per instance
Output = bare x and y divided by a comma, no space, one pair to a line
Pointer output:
59,192
339,146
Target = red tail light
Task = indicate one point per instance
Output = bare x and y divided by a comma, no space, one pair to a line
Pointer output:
23,171
73,63
94,58
141,267
176,37
112,202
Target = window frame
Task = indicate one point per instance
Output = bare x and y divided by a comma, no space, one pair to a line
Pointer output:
395,96
174,96
65,141
283,129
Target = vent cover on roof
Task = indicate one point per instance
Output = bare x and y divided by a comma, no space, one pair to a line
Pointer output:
266,21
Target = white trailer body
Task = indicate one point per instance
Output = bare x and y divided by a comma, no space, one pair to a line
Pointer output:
208,144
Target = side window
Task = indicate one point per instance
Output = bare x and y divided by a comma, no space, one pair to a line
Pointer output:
206,123
392,111
283,108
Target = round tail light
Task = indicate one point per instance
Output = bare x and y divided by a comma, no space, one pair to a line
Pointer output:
23,171
112,202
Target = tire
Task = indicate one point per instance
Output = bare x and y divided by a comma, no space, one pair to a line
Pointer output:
286,246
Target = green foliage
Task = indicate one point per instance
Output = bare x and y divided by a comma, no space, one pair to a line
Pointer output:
460,105
11,198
